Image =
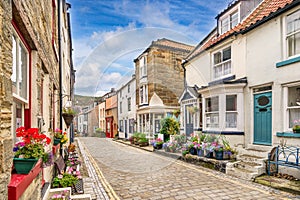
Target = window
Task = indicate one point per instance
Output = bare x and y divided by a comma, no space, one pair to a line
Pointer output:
121,126
222,63
234,19
231,111
143,94
293,33
128,88
20,69
212,112
129,103
121,107
293,105
229,21
19,78
143,66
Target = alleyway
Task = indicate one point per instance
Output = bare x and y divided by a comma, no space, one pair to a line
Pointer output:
137,174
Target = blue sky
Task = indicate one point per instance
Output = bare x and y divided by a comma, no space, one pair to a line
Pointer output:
109,34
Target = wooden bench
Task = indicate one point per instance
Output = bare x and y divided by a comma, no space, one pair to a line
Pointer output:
287,156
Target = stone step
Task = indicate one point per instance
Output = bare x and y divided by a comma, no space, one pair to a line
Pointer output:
250,166
251,158
240,173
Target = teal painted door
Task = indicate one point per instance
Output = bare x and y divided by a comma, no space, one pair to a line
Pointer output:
263,118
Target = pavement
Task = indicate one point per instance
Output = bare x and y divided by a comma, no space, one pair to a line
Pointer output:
119,171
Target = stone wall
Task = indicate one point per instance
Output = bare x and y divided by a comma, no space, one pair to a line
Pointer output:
165,74
5,96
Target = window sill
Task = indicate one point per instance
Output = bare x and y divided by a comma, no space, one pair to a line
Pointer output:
20,182
288,134
288,61
224,132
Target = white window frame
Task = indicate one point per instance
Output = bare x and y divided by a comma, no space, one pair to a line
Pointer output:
18,100
16,68
143,96
143,66
209,113
129,103
288,106
228,19
222,113
287,35
224,65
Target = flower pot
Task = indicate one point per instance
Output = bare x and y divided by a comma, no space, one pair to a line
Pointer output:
200,152
193,151
68,118
23,165
296,130
208,154
159,146
56,141
219,155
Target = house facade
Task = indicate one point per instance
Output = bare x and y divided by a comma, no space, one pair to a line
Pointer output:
250,89
127,108
101,111
159,83
30,82
111,114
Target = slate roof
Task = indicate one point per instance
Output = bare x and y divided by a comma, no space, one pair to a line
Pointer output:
266,10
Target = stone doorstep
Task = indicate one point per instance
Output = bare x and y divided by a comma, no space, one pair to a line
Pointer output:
240,173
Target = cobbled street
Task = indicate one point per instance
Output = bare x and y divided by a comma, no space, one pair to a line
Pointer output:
138,174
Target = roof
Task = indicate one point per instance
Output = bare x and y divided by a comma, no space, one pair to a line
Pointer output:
172,44
266,10
169,44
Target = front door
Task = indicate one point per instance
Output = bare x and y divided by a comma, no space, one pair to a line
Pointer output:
189,121
263,118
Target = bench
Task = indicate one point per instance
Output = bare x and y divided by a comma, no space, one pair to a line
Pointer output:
287,156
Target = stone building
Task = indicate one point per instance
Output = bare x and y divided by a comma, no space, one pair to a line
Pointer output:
159,82
32,61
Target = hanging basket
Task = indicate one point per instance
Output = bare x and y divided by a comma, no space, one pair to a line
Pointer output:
68,118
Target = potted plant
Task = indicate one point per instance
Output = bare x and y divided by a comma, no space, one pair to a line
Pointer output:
157,143
68,115
169,126
143,141
176,112
30,150
296,127
60,137
64,180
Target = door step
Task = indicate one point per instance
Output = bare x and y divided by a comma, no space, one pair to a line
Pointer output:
248,165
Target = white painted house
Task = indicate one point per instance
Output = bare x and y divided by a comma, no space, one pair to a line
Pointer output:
127,108
251,70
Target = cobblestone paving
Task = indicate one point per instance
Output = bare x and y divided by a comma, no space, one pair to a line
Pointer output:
137,174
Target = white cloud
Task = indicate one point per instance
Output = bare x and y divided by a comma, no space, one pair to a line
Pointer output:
105,59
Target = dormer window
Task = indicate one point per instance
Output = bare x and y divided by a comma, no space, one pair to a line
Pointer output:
228,21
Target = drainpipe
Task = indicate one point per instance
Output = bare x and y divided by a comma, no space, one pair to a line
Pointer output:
60,65
184,74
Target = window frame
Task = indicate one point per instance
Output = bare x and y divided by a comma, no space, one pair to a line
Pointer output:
228,18
288,106
224,64
143,66
143,94
287,35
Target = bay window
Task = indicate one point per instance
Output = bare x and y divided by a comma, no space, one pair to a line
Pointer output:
212,112
222,63
231,111
293,33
